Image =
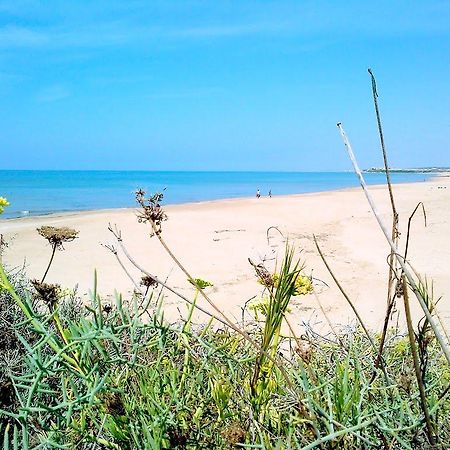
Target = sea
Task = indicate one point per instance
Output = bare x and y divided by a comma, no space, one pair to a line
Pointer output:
32,192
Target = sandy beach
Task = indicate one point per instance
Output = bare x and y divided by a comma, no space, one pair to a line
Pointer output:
214,240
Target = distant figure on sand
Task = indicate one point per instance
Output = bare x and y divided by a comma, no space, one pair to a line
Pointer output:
270,193
258,194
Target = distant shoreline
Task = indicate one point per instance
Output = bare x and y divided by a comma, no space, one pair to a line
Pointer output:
424,170
35,194
79,212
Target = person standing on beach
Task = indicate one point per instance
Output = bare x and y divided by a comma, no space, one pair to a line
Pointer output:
270,193
258,193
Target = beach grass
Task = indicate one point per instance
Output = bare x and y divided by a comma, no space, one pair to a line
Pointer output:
114,376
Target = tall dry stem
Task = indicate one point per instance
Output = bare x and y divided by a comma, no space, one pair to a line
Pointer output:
414,287
394,231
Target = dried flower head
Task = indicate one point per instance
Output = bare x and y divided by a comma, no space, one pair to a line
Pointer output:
234,433
151,210
148,281
48,293
178,438
399,289
304,350
56,236
114,404
264,277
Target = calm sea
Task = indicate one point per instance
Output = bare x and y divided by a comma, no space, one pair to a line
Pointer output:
44,192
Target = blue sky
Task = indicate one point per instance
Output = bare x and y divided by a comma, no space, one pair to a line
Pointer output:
221,85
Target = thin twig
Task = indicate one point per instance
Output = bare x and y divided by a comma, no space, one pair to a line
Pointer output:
345,294
330,324
113,250
272,228
118,236
190,277
383,148
409,224
369,337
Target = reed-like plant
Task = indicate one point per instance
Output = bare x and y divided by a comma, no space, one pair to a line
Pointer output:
280,294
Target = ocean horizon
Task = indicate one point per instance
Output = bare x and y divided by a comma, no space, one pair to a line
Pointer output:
42,192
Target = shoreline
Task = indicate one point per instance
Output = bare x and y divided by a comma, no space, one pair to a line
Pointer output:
58,214
215,238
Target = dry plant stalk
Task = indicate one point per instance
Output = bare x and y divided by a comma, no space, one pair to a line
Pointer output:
394,232
56,237
117,234
405,276
407,273
263,274
347,298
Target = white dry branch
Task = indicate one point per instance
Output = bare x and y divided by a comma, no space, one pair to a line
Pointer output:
444,345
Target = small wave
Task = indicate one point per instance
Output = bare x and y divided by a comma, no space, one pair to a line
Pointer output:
24,213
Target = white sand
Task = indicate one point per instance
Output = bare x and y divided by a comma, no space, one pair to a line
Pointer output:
214,239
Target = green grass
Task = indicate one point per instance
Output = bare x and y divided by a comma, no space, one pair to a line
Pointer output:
96,378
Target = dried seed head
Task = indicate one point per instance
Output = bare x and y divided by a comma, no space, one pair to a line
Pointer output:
304,350
148,281
405,381
399,289
151,210
114,404
48,293
428,339
234,433
264,276
56,236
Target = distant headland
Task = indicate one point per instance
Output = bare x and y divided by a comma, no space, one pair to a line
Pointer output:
410,170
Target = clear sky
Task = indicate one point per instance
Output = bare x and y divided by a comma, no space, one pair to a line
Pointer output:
221,85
